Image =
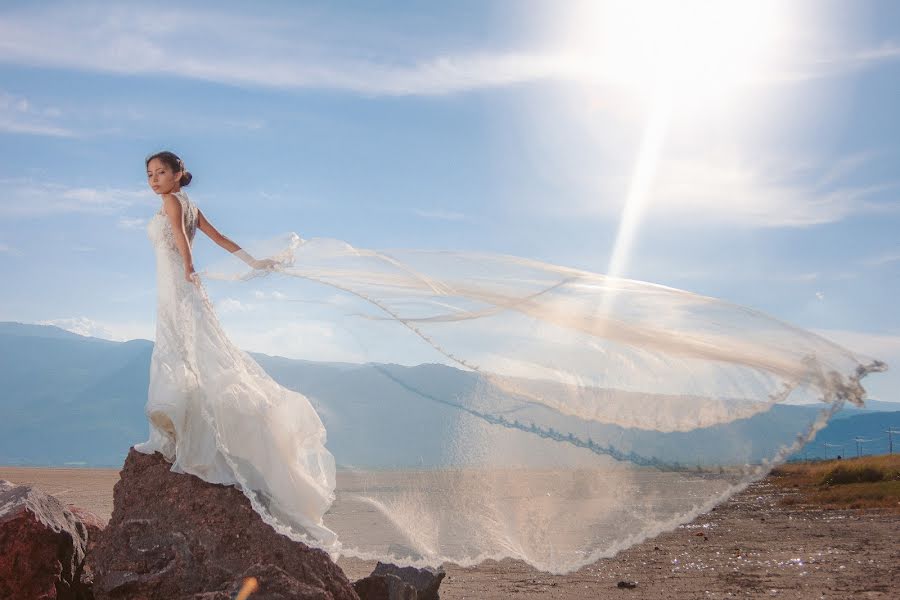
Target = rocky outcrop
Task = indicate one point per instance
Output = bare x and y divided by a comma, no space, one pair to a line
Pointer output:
384,587
94,526
42,545
390,582
174,535
426,581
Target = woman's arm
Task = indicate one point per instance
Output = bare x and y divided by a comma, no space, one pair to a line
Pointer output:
206,227
176,219
213,233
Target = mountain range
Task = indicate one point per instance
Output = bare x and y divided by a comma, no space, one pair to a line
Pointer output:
68,399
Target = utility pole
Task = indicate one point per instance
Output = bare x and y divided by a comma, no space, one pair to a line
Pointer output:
827,446
890,431
858,441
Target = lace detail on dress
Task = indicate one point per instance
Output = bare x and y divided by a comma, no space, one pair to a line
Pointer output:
160,228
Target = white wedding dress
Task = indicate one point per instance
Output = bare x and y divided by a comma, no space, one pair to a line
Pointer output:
215,413
487,405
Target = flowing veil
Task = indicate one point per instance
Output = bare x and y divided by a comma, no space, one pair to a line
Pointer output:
490,406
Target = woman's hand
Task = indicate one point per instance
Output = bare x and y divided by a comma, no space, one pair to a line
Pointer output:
191,275
266,263
263,265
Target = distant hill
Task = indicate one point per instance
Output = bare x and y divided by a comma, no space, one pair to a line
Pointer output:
870,407
68,398
839,437
13,328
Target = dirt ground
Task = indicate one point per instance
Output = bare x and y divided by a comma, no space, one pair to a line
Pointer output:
88,488
751,546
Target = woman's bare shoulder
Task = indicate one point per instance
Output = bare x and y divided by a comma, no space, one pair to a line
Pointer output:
171,204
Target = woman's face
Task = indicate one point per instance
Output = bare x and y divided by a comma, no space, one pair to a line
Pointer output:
161,177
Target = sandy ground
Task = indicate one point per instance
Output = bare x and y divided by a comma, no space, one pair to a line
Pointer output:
88,488
748,547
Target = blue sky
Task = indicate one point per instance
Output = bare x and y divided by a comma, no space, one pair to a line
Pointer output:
514,127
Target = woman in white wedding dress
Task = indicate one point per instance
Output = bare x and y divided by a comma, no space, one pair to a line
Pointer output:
495,406
213,411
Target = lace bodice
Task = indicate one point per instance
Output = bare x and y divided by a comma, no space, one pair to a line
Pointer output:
159,229
173,289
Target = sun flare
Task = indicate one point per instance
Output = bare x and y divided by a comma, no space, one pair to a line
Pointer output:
699,49
679,59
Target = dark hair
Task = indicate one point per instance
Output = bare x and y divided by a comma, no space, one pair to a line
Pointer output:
171,160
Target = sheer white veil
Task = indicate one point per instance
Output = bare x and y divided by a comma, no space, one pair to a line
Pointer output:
494,406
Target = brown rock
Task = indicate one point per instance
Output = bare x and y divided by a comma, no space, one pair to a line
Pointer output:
425,581
384,587
42,546
174,535
94,526
92,522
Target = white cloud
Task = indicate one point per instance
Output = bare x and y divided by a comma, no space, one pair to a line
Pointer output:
131,223
836,63
18,115
882,259
766,195
707,187
7,249
117,332
306,339
245,49
27,198
232,305
882,346
274,295
83,326
306,50
888,50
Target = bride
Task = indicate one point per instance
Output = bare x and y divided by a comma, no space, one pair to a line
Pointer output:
213,411
517,408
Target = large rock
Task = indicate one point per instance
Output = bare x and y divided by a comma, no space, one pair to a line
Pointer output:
174,535
384,587
42,546
95,526
425,581
390,582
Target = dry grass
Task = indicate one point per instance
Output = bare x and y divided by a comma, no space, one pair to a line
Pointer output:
867,482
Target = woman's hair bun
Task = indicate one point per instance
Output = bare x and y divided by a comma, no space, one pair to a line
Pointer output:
186,178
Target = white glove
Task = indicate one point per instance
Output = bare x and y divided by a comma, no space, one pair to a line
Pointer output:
266,263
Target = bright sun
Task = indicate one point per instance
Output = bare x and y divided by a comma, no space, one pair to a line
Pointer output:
682,57
698,50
